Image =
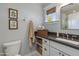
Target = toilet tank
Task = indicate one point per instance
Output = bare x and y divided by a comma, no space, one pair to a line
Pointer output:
12,48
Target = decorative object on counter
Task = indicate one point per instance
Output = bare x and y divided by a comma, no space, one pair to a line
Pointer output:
13,13
41,27
42,33
13,24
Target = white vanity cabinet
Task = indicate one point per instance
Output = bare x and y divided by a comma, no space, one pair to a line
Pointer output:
45,51
53,48
45,47
63,49
49,50
63,54
56,52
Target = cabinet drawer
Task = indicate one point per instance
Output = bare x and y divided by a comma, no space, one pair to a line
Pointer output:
54,52
45,51
45,41
69,50
63,54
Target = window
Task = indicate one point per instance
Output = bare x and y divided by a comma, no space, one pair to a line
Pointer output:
51,15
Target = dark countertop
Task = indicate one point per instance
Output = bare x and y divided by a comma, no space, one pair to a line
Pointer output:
53,38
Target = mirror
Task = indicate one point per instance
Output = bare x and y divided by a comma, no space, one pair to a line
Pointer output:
70,16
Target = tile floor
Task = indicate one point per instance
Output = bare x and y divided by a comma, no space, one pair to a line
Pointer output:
35,53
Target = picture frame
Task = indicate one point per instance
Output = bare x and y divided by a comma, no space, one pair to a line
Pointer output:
13,13
13,24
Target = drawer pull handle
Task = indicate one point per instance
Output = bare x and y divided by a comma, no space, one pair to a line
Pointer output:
59,53
62,54
45,41
45,49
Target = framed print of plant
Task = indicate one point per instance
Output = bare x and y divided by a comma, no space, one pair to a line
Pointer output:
13,13
13,24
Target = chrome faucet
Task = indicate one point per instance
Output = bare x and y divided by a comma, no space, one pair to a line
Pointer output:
57,34
73,37
67,36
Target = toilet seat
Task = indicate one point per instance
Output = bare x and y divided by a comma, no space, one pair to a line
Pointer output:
12,48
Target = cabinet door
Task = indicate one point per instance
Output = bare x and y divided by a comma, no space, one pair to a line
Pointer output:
54,52
45,41
63,54
45,51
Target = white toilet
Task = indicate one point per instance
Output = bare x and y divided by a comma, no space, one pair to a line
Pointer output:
12,48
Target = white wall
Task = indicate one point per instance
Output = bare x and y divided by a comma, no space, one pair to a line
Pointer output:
26,11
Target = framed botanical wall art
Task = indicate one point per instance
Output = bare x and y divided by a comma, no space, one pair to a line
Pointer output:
13,13
13,24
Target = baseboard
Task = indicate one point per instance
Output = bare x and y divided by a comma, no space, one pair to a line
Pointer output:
34,53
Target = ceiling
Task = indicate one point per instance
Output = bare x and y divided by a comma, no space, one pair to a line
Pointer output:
70,8
46,4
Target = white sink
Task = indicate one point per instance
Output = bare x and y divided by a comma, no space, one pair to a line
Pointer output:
68,41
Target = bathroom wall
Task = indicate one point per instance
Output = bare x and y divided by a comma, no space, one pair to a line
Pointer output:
56,26
26,12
